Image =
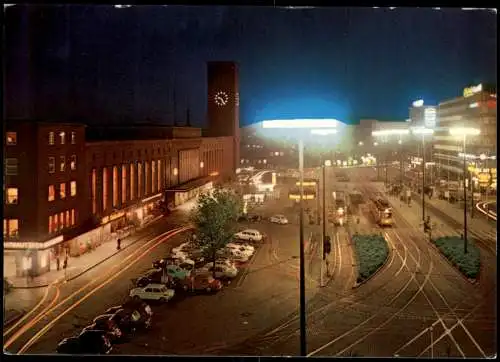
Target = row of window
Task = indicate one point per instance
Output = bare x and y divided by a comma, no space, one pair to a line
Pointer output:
12,138
62,190
62,220
10,228
12,195
62,163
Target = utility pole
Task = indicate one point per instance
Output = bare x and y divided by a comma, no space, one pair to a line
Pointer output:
323,233
302,286
465,198
423,176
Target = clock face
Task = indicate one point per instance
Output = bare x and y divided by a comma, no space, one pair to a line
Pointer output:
221,98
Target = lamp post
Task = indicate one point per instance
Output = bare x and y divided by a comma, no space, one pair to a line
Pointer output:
423,131
464,132
302,123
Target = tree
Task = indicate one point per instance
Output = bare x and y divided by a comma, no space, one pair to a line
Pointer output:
215,219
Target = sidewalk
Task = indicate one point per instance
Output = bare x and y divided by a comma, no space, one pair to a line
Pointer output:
81,264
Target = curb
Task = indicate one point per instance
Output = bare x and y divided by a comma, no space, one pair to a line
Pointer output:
470,280
84,271
389,253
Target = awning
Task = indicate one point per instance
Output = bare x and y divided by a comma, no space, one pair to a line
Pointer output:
193,184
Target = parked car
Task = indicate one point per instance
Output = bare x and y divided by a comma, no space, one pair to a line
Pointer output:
242,246
130,321
232,254
153,292
250,218
234,249
105,323
201,282
278,219
87,342
178,272
249,234
221,271
154,276
158,264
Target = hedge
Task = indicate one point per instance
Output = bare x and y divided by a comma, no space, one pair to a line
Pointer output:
452,248
371,251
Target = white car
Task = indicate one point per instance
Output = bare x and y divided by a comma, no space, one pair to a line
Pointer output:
249,234
278,219
241,249
221,271
153,292
184,247
237,255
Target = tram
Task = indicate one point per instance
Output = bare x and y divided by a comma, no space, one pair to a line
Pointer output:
381,211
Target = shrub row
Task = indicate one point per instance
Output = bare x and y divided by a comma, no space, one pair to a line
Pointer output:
371,251
452,248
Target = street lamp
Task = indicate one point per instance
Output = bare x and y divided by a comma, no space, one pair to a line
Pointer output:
423,131
308,124
464,132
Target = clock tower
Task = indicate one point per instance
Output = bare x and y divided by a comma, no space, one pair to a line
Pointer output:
223,103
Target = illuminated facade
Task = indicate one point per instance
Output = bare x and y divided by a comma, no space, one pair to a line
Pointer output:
476,108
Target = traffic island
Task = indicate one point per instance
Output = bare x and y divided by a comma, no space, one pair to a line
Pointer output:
371,253
452,247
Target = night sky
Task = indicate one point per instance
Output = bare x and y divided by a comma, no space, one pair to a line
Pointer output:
330,62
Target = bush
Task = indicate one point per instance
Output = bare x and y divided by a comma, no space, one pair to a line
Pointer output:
372,252
452,248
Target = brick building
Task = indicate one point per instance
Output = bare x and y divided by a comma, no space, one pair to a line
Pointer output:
69,186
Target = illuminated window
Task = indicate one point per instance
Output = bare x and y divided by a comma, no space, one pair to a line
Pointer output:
51,222
147,178
51,138
93,191
4,228
73,162
124,183
104,188
56,222
139,179
11,166
62,136
61,220
132,181
159,175
52,164
12,195
153,175
72,187
73,138
11,138
115,186
52,193
11,228
68,221
62,163
62,190
73,217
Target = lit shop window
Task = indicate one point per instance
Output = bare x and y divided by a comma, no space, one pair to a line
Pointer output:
132,181
11,138
124,183
153,174
147,178
73,162
62,163
67,220
104,188
56,222
62,136
52,164
93,191
73,138
159,175
62,190
12,195
115,186
139,179
73,188
73,217
61,220
51,138
52,193
51,224
11,166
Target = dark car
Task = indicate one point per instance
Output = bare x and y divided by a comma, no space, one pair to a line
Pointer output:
250,218
105,323
132,316
151,277
200,282
159,264
87,342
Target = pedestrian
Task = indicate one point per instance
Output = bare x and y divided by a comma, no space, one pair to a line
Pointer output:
118,244
58,262
65,264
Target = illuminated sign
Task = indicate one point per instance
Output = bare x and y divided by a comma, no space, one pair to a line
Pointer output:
418,103
33,245
113,216
306,183
215,173
473,90
297,197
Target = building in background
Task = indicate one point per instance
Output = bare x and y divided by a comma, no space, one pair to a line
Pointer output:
70,187
477,108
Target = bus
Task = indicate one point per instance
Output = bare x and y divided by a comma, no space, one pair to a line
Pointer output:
338,214
382,211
